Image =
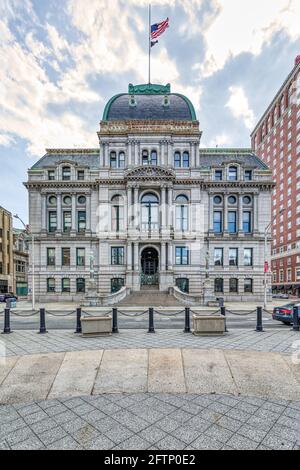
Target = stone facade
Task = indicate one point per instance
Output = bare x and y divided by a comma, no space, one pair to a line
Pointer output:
149,207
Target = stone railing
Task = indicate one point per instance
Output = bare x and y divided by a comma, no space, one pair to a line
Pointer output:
185,298
112,299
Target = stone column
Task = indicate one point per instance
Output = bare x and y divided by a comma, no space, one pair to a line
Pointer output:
136,153
163,208
170,257
170,153
162,153
241,213
225,213
73,226
211,212
192,155
129,257
129,206
136,257
170,207
44,212
88,212
59,214
196,150
255,213
136,207
129,153
163,257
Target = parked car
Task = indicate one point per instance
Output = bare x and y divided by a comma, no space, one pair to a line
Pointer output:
9,295
280,296
285,313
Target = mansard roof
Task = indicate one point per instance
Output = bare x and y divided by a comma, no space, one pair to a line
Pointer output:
217,157
80,157
146,102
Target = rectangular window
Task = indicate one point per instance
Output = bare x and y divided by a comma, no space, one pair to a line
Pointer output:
232,173
248,175
65,285
248,256
51,284
67,221
81,221
66,173
246,221
80,256
80,285
233,256
217,221
233,285
117,255
218,257
117,218
218,175
80,175
183,284
182,255
51,175
65,256
181,218
52,221
116,284
219,286
248,286
50,256
232,222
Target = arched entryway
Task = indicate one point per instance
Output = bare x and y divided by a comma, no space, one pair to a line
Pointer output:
149,267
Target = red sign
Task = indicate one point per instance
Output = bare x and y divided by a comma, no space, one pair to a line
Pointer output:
266,267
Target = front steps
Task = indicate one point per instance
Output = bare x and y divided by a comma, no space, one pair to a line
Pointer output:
150,297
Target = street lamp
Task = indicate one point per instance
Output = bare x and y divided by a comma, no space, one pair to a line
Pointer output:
265,259
29,232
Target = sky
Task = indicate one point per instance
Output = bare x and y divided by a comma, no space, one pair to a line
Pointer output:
61,61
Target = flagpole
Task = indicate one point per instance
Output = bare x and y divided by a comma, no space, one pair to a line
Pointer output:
149,75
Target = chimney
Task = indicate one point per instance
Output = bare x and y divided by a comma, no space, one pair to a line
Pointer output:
297,60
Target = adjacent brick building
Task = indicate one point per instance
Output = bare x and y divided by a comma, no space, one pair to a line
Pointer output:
6,251
276,140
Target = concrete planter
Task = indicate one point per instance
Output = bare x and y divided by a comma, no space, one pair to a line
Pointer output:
206,325
96,326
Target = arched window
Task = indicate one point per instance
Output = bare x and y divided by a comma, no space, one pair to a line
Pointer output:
177,159
145,157
182,213
186,160
154,157
66,173
117,213
150,212
121,160
113,160
232,173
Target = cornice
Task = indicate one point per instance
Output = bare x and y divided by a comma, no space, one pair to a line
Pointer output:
60,184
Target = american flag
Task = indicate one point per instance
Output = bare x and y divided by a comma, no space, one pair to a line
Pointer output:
159,28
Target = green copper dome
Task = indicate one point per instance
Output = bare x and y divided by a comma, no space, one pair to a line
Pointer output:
152,102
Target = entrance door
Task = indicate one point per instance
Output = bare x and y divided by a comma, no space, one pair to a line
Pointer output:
149,262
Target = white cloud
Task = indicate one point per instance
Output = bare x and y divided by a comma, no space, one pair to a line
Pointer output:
6,140
237,26
239,106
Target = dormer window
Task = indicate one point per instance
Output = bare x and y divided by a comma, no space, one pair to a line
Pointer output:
166,101
66,173
51,175
80,175
132,101
248,175
232,173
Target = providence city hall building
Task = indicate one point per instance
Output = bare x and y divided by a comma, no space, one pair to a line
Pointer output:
149,209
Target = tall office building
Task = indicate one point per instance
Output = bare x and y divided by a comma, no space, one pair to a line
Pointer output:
276,140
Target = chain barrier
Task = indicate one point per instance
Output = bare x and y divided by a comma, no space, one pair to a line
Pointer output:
206,313
132,315
241,314
267,312
169,314
55,314
105,314
19,313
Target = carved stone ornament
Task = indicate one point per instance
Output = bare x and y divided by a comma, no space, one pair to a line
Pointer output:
150,172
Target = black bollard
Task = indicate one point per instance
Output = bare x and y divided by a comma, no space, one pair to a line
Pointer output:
259,324
187,326
78,320
296,319
115,320
6,329
223,312
42,321
151,321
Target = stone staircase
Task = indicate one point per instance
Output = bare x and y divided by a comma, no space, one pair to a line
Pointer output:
150,297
